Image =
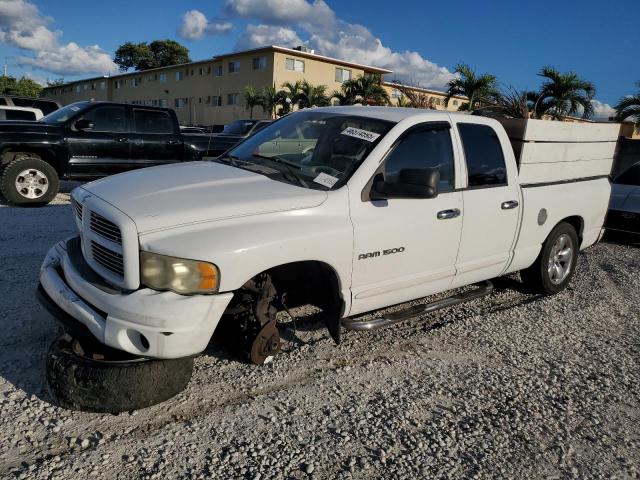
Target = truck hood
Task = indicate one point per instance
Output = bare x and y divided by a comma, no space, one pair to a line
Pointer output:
175,195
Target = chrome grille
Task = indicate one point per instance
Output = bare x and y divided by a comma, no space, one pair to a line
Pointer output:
105,228
109,259
77,209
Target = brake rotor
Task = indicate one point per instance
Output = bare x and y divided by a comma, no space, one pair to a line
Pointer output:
266,344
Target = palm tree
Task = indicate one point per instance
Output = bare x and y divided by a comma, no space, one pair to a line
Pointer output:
629,107
477,88
252,99
292,91
563,94
347,94
509,102
270,100
403,101
312,95
367,89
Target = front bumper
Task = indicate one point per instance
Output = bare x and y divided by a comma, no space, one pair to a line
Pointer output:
143,322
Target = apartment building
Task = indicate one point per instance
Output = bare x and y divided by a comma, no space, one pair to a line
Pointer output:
210,91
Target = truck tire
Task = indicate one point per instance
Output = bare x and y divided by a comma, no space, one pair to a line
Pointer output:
29,180
553,269
111,386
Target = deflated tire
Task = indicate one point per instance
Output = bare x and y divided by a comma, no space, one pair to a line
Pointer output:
111,385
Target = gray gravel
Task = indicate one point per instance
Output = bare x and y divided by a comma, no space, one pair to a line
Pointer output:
510,386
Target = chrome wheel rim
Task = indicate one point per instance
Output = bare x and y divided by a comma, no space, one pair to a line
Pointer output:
32,183
560,259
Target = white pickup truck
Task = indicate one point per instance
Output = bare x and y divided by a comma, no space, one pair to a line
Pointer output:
351,209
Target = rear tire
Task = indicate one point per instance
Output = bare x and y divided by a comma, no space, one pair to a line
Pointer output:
555,266
29,180
127,383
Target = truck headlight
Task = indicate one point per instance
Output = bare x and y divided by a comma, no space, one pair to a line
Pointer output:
179,275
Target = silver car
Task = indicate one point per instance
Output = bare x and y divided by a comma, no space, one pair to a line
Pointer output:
624,209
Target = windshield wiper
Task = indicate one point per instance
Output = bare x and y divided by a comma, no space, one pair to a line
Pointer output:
287,165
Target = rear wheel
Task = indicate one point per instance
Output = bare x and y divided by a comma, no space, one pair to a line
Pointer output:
28,180
555,266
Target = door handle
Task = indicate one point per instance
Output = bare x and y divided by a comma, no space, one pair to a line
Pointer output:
509,205
122,139
172,142
446,214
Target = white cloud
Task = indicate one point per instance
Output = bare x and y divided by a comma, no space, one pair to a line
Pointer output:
23,26
284,21
261,35
602,110
195,25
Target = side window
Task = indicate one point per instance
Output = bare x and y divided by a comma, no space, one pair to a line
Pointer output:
19,115
631,176
424,148
107,119
150,121
484,156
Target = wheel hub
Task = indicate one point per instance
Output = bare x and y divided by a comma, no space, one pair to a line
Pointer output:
266,344
32,183
560,259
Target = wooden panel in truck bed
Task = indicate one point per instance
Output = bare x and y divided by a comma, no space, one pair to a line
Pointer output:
552,151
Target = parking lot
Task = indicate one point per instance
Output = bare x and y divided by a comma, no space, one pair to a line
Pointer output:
513,385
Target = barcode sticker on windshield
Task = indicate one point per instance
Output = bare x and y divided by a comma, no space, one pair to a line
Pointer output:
361,134
326,180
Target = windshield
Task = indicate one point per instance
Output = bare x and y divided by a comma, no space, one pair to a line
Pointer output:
64,114
239,127
318,150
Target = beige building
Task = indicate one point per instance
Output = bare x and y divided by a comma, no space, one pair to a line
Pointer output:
210,91
434,98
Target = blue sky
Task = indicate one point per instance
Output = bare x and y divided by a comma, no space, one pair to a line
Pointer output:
420,40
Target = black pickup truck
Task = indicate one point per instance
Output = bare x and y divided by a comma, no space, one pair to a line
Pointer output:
88,140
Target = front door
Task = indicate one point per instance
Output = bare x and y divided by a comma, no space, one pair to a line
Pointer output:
154,139
406,248
103,149
491,204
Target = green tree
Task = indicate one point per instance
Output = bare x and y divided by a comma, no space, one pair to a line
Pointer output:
252,99
346,95
477,88
562,94
367,89
510,102
271,99
143,56
312,95
56,82
23,87
291,91
629,108
403,101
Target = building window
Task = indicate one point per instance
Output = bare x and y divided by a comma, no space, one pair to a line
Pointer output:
438,101
180,102
294,64
217,71
93,86
260,63
201,70
234,66
216,101
455,103
136,81
343,74
199,99
163,102
103,85
179,75
163,78
86,86
233,98
116,85
77,88
209,70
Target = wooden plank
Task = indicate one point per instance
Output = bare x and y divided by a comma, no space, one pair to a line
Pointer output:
551,152
555,172
556,131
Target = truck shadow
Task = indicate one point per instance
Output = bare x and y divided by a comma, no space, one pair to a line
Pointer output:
28,330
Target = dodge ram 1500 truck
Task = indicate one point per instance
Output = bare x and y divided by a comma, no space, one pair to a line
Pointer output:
88,140
374,207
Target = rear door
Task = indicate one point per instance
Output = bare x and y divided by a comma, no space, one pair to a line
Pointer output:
491,201
155,140
102,150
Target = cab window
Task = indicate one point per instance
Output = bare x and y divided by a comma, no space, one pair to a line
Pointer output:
483,154
423,148
109,118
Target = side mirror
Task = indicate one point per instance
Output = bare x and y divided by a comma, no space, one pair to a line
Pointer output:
83,124
411,183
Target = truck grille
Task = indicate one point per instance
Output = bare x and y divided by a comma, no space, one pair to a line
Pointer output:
112,261
105,228
77,209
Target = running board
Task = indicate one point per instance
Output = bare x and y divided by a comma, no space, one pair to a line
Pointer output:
483,288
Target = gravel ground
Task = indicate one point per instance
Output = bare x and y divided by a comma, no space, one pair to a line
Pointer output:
510,386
